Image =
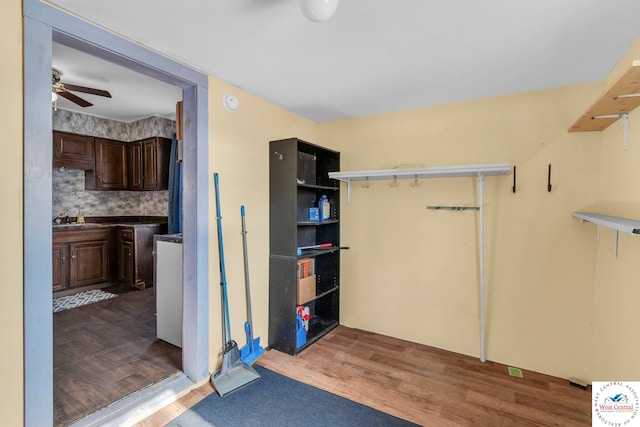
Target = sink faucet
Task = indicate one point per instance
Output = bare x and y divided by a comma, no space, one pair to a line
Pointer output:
57,217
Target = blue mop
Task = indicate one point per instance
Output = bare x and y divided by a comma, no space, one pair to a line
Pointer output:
252,351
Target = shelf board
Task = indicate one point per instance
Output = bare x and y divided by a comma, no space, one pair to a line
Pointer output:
312,253
609,102
625,225
430,172
322,294
318,187
316,223
318,327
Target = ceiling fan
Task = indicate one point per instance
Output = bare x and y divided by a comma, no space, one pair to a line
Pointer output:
62,89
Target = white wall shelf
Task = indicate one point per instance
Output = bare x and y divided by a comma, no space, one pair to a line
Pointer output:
625,225
479,171
418,173
616,223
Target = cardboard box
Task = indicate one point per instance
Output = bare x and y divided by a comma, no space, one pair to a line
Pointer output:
306,289
306,267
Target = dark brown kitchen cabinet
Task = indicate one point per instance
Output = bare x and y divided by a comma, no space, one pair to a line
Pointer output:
135,254
125,262
60,256
80,258
73,151
89,263
149,164
110,171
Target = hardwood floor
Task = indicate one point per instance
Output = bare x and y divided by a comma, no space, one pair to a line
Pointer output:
105,351
418,383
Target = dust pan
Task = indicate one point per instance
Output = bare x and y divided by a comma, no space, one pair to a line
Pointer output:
234,373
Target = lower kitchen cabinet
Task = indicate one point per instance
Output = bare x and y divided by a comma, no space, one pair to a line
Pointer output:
135,254
88,256
89,263
80,258
60,266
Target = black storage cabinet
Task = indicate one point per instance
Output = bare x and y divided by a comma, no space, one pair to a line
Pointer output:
298,177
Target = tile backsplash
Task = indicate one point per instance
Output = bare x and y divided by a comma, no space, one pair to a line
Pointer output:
69,195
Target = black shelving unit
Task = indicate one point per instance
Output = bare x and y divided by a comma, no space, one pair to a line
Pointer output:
298,177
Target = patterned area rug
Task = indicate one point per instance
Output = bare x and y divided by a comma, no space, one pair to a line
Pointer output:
80,299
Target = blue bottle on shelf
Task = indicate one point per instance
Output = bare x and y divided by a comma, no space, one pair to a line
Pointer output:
324,208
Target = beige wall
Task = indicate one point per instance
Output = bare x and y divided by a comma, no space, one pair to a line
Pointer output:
617,294
11,386
239,153
412,273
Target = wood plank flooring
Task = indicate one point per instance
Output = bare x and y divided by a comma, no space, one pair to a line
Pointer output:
105,351
427,386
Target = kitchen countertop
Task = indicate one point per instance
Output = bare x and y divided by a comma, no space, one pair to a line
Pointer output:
105,222
69,227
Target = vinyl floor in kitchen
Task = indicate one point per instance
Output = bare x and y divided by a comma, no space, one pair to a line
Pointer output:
105,351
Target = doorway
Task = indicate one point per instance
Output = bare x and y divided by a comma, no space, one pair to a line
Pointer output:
42,26
105,344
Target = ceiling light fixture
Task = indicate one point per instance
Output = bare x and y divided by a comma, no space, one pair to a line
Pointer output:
318,10
54,96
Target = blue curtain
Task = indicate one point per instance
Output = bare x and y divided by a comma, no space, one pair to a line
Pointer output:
175,190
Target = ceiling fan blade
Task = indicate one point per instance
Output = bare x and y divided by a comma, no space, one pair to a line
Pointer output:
90,90
73,98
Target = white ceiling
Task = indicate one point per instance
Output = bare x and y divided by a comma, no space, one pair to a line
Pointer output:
133,95
373,56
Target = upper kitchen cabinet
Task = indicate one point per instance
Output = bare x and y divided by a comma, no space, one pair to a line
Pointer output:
149,164
110,171
73,151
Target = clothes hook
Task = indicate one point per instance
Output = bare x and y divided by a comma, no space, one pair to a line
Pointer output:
514,180
549,179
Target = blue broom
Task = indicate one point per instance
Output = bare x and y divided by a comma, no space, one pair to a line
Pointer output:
252,351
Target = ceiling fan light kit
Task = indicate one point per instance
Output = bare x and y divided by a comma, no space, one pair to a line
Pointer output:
62,89
318,10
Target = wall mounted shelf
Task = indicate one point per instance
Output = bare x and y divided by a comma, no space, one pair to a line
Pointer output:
613,103
479,171
430,172
625,225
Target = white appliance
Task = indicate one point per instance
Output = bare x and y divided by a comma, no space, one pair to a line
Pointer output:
168,286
